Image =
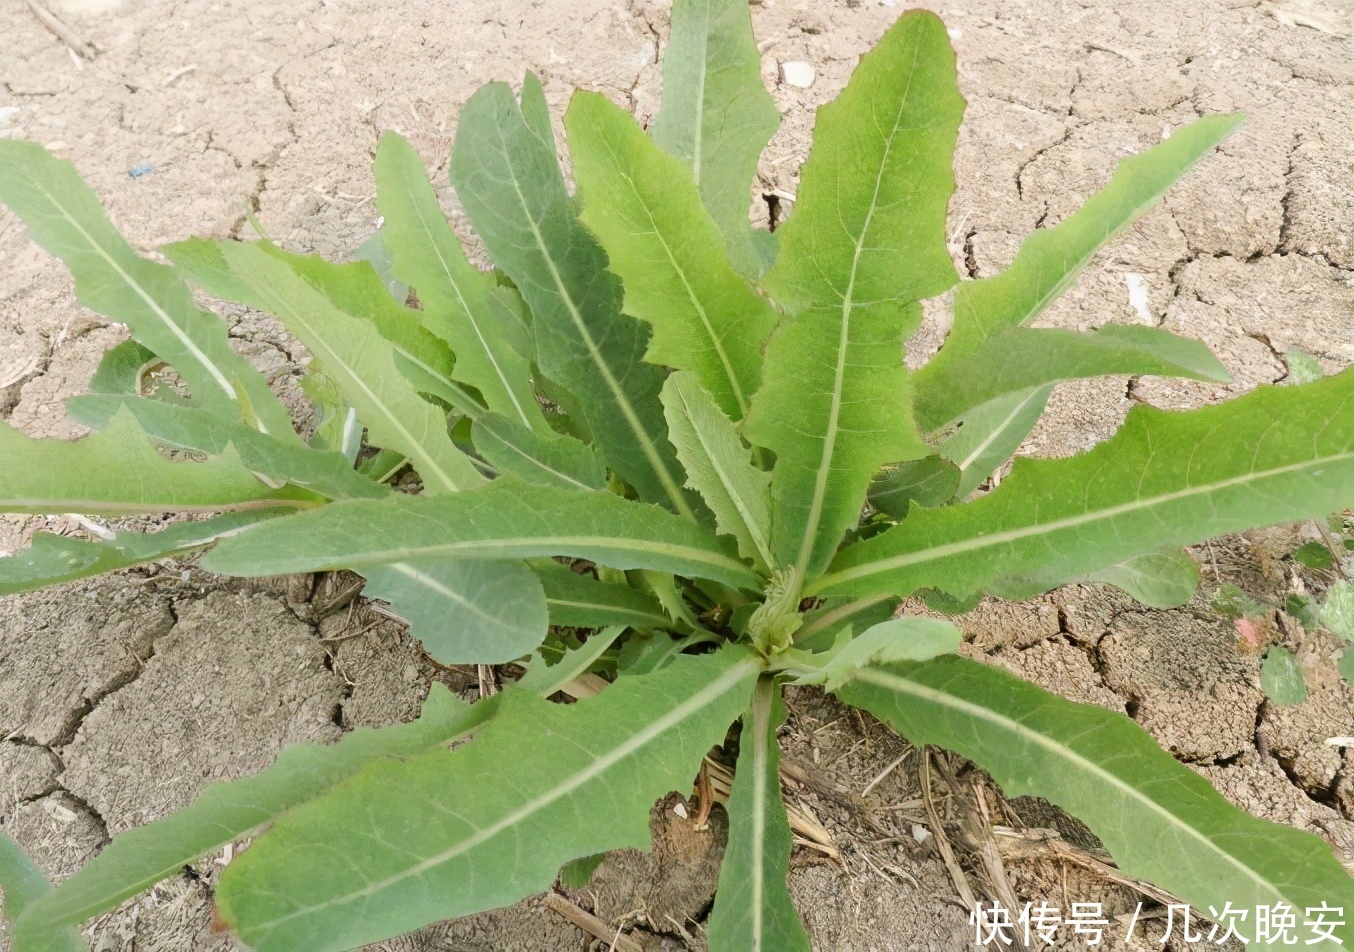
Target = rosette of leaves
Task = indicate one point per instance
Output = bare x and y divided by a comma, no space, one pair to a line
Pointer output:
643,447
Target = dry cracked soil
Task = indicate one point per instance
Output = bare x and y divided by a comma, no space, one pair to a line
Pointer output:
123,697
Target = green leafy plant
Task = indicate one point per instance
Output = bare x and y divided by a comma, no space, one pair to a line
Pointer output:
644,446
1329,609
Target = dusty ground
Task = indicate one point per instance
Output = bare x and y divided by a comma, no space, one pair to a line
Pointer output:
122,698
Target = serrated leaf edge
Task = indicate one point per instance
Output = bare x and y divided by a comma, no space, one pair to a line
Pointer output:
599,765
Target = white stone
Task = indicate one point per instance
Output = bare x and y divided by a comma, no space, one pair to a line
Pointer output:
1137,296
798,73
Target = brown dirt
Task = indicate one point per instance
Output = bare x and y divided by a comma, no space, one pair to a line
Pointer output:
274,108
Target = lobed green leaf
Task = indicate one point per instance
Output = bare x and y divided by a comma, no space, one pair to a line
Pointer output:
909,638
753,911
356,290
455,295
65,217
118,471
717,116
660,241
581,601
1162,579
335,873
1025,360
52,559
927,482
988,435
508,178
463,611
719,467
985,311
866,241
354,354
499,521
824,625
543,680
325,472
1158,579
1165,480
670,594
1160,820
543,458
142,856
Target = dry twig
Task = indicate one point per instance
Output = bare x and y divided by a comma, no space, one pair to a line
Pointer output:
942,841
351,635
810,832
1337,550
1039,844
74,42
884,773
591,924
813,779
705,793
343,598
488,684
990,855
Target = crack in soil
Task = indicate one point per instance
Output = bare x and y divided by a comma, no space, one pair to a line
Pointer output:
1286,222
1327,796
75,719
1020,169
970,260
277,84
1089,647
88,809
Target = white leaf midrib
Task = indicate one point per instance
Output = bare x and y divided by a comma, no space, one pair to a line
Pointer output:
999,430
762,702
976,543
1085,765
333,358
437,587
810,537
218,376
444,265
526,547
599,765
540,463
621,398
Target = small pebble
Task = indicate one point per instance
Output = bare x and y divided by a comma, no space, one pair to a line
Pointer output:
57,812
679,809
798,73
920,833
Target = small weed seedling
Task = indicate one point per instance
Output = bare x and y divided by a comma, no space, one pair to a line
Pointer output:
1261,628
645,443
